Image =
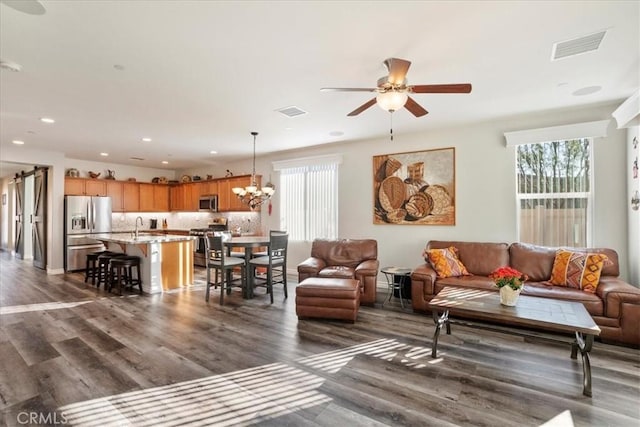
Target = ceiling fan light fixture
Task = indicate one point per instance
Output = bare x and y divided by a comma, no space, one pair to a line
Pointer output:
391,100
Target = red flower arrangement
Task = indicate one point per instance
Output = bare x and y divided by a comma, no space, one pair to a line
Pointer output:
507,276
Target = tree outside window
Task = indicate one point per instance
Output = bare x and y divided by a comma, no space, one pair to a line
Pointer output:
554,192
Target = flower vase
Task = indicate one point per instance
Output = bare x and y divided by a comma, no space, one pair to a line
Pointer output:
509,296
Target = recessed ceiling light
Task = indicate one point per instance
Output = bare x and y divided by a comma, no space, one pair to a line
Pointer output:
47,120
104,154
31,7
18,142
164,162
587,90
288,128
213,152
11,66
146,139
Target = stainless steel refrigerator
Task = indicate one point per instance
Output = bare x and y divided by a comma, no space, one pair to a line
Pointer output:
84,216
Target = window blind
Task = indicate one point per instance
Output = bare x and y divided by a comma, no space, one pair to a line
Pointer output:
309,201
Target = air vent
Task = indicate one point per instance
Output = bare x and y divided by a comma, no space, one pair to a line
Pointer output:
291,111
577,46
136,158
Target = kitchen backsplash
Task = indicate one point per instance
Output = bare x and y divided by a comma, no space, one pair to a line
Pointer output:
249,222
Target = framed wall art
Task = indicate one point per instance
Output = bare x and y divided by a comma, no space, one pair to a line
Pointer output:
415,188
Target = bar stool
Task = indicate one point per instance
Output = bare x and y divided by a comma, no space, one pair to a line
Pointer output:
121,271
103,268
91,266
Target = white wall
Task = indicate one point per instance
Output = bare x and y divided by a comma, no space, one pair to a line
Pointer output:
485,186
633,185
5,218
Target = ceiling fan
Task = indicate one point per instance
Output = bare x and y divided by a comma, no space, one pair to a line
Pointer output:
393,90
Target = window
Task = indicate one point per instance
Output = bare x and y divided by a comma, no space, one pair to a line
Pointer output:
309,198
554,192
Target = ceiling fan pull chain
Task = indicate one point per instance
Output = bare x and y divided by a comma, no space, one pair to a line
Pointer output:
391,125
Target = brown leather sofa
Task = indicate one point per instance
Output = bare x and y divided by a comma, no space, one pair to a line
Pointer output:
344,259
615,306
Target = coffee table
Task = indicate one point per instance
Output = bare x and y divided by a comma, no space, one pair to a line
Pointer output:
533,312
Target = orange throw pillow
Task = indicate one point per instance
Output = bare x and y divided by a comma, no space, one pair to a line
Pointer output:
577,270
446,263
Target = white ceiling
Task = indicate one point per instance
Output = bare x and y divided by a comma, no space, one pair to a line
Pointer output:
201,75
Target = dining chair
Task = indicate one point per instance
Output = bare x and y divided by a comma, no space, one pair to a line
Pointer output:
266,253
218,260
275,263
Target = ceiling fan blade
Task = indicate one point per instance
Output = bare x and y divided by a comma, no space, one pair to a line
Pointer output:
397,70
415,108
348,89
363,107
450,88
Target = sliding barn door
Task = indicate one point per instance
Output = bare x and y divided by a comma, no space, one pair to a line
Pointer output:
19,218
39,221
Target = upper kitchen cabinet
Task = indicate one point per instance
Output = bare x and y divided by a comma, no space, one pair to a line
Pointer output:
115,190
154,198
184,197
209,188
131,196
84,187
227,200
125,196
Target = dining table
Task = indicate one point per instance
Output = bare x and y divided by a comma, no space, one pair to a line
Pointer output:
248,243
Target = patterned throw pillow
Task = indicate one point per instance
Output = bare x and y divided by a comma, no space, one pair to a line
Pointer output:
446,263
577,270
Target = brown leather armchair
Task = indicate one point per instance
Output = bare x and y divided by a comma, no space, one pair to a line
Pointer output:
346,259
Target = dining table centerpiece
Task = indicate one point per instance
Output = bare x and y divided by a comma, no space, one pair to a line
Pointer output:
510,282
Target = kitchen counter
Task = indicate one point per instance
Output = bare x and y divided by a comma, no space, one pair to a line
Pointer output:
144,237
166,261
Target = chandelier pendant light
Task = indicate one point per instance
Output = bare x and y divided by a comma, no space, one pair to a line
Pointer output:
250,194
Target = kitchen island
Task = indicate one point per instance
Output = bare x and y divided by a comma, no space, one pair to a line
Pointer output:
166,261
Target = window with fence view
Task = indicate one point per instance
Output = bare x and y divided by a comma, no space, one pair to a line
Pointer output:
554,192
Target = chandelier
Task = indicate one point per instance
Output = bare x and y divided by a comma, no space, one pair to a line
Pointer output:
250,194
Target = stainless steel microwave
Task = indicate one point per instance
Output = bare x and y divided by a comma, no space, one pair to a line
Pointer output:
208,203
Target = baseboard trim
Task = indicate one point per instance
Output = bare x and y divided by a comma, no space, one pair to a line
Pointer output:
53,271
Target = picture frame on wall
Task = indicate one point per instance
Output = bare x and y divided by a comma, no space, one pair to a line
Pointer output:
415,188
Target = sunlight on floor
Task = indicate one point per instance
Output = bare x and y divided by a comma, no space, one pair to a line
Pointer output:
240,397
13,309
563,419
245,396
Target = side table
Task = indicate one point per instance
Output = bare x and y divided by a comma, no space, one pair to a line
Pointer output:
391,273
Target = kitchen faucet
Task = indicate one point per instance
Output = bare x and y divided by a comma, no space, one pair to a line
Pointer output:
136,232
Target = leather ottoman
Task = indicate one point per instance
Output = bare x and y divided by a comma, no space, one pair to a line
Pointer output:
328,298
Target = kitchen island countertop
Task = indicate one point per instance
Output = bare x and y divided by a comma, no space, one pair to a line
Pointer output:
143,238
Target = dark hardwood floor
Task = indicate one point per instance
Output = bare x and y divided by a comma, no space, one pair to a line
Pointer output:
71,354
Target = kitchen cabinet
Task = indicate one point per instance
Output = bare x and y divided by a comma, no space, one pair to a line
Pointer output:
184,197
84,187
154,198
115,190
176,197
131,196
209,188
125,196
227,200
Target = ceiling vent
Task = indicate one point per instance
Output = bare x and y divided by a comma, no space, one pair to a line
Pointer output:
291,111
136,158
577,46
